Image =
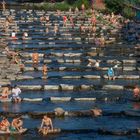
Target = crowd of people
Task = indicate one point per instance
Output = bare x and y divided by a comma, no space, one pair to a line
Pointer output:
92,28
16,126
13,91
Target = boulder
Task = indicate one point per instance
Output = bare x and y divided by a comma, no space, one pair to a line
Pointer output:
66,87
30,87
129,61
92,76
85,99
59,111
60,99
129,68
113,87
86,87
51,87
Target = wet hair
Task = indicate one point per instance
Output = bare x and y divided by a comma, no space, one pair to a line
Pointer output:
14,86
4,117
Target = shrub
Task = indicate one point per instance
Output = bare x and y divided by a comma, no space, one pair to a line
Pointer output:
128,12
78,3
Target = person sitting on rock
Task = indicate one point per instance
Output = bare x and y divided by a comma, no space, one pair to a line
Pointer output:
46,125
15,94
17,124
13,35
4,125
5,92
25,36
110,73
136,92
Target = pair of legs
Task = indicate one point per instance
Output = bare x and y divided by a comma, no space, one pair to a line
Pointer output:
5,128
44,130
16,99
111,77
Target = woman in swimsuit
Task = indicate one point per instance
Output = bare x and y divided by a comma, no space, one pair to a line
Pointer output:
4,125
5,92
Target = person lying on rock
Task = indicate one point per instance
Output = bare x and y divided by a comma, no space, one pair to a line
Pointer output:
136,92
17,124
4,125
46,125
5,92
15,94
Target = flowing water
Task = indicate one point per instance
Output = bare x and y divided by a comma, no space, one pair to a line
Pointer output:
76,128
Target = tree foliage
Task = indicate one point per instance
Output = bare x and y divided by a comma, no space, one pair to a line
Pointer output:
114,5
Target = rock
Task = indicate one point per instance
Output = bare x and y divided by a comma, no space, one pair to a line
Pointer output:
60,60
30,87
85,99
92,76
61,99
51,87
86,87
47,61
24,77
71,77
113,87
28,69
129,68
129,61
62,68
66,87
59,112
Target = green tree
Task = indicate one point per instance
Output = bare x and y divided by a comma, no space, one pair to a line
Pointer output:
115,5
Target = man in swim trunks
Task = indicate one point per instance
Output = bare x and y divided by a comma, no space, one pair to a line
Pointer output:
46,125
17,124
4,125
15,94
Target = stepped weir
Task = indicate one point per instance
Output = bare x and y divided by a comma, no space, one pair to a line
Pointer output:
71,83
